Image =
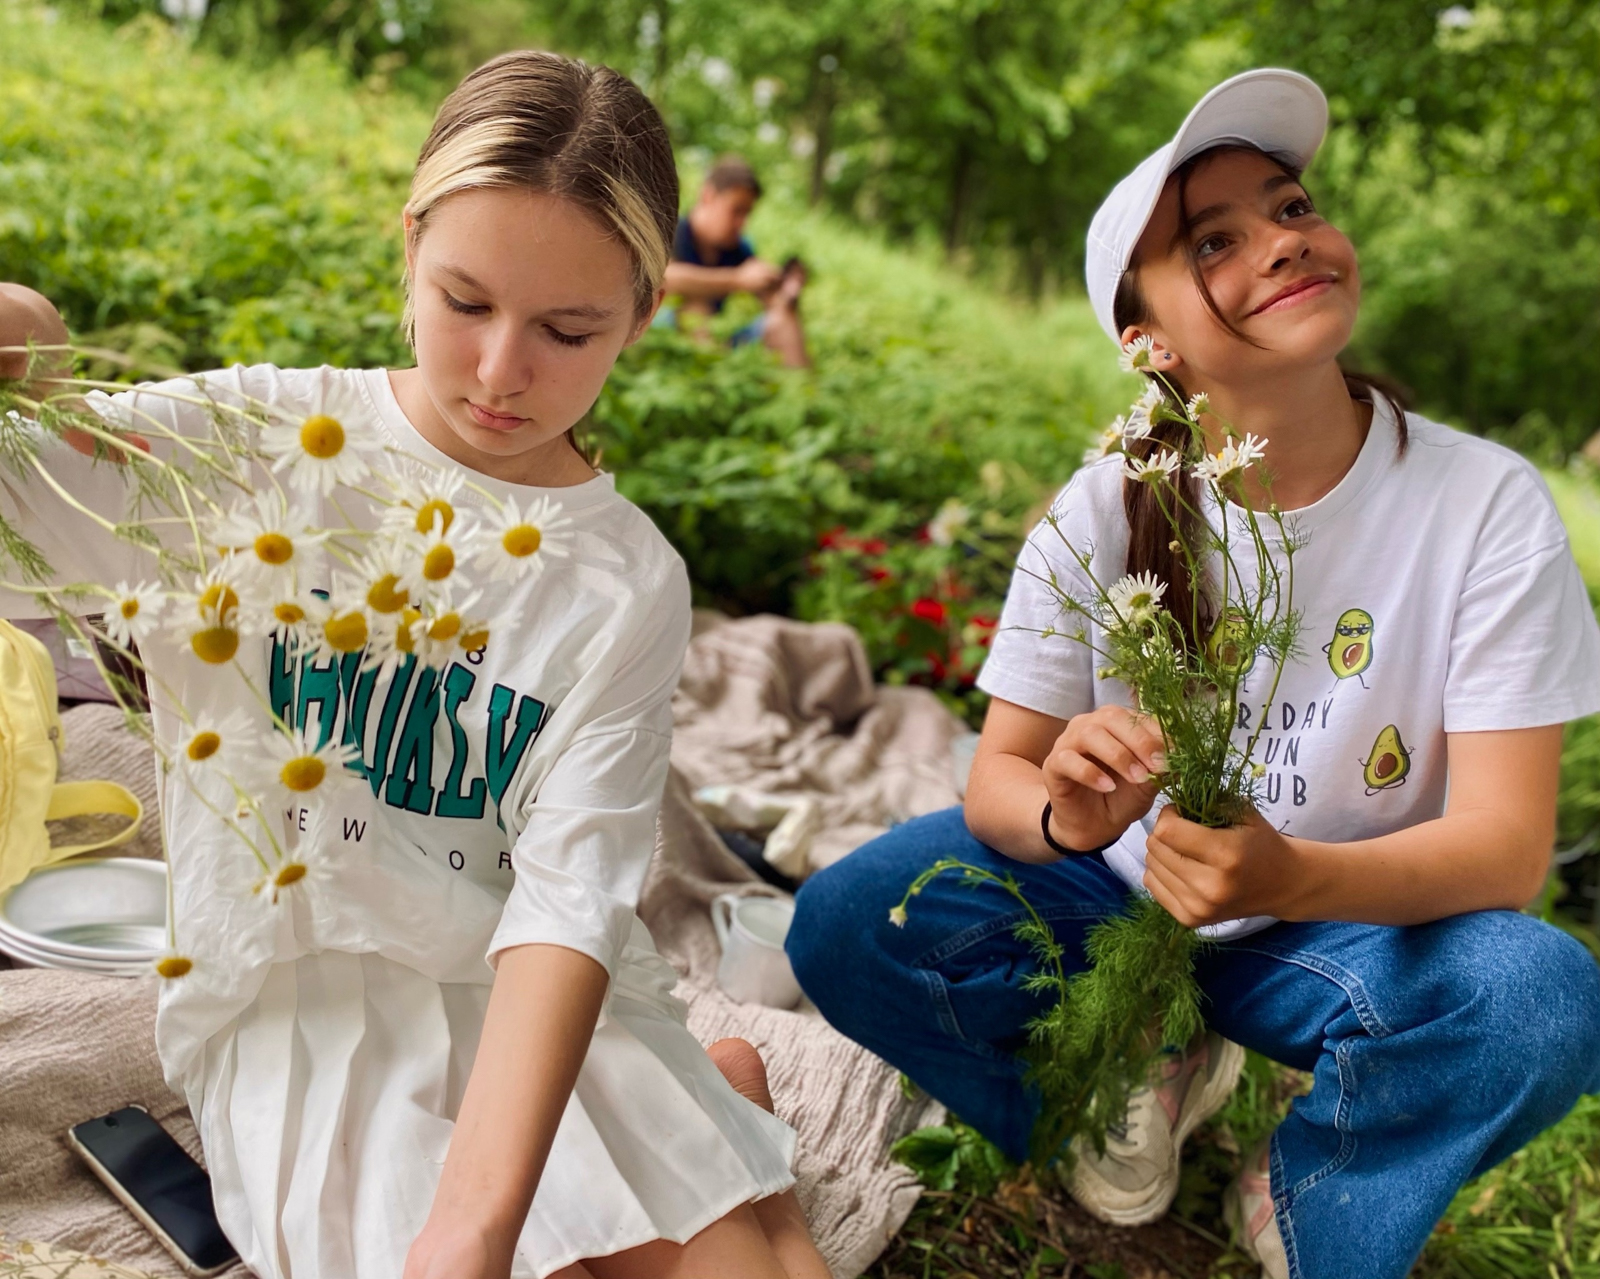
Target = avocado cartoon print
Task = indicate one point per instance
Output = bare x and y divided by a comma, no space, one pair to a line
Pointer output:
1388,763
1226,644
1350,651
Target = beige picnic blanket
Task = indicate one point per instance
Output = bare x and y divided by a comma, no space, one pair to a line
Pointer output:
766,702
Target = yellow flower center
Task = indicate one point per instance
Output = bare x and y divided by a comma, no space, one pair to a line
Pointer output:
435,508
322,437
303,773
290,614
521,541
439,563
293,873
129,608
347,634
386,596
445,627
204,745
402,636
274,548
215,644
174,966
220,598
471,641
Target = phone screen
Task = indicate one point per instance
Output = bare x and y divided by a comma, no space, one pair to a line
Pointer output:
158,1174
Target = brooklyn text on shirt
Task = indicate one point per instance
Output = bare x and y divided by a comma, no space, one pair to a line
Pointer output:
405,724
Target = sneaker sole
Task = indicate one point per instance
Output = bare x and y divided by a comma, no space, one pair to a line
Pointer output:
1123,1208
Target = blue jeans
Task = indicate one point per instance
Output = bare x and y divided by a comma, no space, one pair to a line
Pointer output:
1436,1050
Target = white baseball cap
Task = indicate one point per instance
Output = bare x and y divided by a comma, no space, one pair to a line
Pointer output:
1281,112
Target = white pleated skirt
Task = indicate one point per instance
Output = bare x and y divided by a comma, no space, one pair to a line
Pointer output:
329,1103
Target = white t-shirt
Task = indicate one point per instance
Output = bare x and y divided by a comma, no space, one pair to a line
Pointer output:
1439,595
324,1042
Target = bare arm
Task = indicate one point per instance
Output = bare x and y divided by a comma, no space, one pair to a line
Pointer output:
1490,850
707,283
541,1017
1095,770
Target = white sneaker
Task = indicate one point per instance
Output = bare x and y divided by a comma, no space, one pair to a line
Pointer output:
1135,1181
1247,1206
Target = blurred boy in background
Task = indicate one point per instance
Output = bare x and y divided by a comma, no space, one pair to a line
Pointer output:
711,258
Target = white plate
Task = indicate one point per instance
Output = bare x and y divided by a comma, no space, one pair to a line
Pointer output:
32,958
110,909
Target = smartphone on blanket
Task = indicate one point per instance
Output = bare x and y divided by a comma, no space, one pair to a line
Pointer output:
156,1180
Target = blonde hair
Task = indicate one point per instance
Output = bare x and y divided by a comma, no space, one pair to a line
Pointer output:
542,122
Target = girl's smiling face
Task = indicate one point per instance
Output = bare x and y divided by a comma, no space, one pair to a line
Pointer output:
522,304
1282,276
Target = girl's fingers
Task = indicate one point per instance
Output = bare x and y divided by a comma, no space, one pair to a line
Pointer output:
1075,768
1141,735
1099,742
1170,893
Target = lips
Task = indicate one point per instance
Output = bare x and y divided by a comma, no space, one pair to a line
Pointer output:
494,421
1301,290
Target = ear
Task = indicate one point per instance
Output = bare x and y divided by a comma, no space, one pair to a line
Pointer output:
1162,358
655,308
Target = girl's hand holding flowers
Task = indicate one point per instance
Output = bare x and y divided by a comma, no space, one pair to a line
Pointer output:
1102,775
1206,875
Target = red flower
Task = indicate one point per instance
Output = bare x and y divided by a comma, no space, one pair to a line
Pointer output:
929,610
873,546
833,538
880,574
923,536
939,669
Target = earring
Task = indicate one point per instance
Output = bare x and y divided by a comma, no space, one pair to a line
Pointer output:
1166,355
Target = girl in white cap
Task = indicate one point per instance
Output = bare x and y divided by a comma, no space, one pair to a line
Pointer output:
1366,921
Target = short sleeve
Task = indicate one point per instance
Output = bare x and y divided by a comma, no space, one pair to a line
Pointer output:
1033,660
589,832
1524,647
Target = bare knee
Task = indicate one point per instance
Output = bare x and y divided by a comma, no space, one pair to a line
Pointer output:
742,1067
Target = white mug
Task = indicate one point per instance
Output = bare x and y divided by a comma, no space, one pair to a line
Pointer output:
754,969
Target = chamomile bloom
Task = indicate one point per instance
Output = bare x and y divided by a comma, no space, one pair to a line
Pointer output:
947,523
1109,441
516,540
298,872
447,631
439,553
423,495
208,620
1235,456
223,744
319,454
286,613
339,625
292,768
1198,403
268,537
389,576
1136,354
173,964
1136,597
134,613
1163,466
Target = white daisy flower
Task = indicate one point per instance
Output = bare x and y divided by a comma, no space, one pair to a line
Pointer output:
1136,426
390,576
340,624
320,454
1136,354
1198,403
951,518
285,613
422,495
438,554
269,537
172,965
292,768
447,631
1236,456
1163,466
1110,441
515,540
1136,597
225,744
134,613
208,620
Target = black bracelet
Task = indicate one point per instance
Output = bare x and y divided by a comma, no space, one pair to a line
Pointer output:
1044,825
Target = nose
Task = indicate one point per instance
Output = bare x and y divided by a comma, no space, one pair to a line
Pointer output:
1284,245
505,362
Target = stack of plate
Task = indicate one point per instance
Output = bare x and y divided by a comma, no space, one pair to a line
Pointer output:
103,915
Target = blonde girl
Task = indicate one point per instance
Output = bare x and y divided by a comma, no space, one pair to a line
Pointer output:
1366,920
451,1051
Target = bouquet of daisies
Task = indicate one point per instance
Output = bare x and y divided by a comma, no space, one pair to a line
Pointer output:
1104,1028
242,546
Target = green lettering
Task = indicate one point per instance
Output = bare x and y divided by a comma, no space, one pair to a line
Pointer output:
458,684
411,778
319,685
501,758
379,764
280,679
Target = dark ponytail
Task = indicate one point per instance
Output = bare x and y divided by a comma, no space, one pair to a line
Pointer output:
1160,512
